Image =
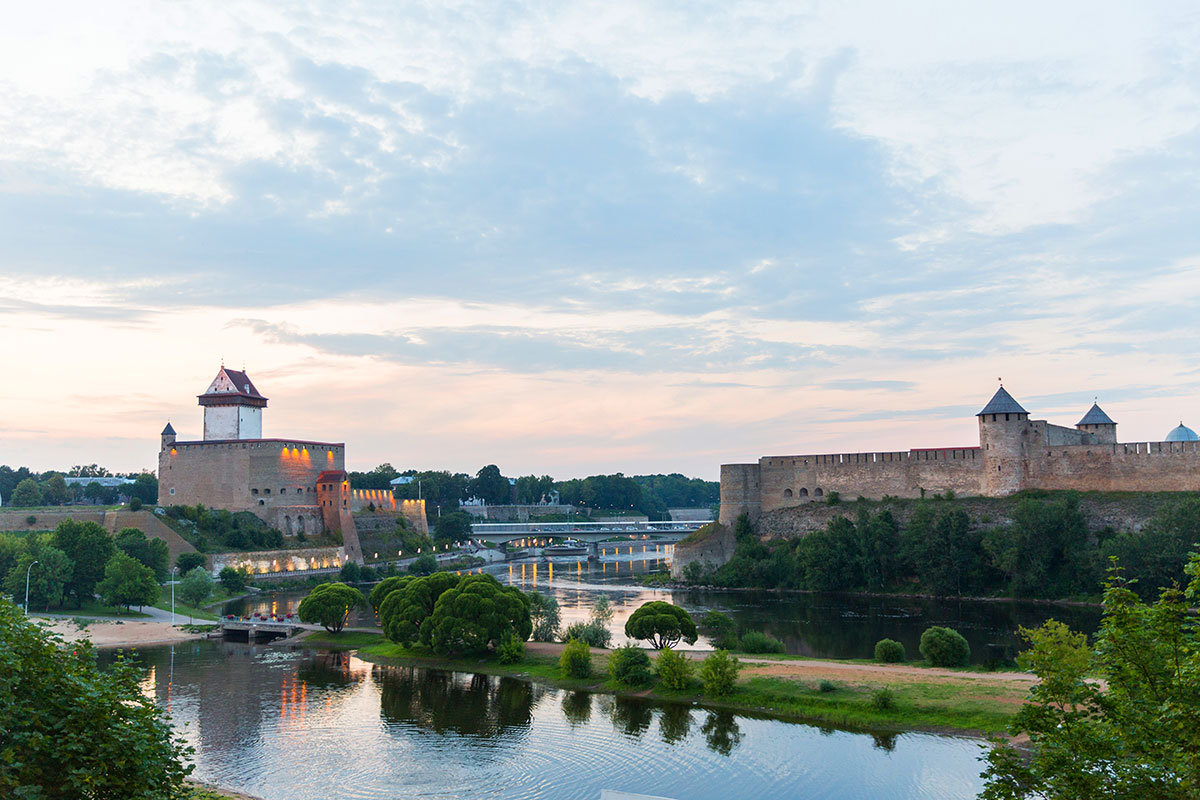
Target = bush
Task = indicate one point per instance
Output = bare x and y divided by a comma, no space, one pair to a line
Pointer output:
629,665
511,651
945,647
545,615
883,699
576,660
423,565
593,633
889,651
759,642
825,687
719,673
674,669
31,520
135,504
189,561
351,572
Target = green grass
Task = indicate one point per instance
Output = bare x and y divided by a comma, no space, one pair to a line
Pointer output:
936,704
346,640
186,612
94,609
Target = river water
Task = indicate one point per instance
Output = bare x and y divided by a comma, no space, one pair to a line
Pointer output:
300,725
815,625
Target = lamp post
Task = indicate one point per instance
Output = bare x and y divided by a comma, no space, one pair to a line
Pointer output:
173,570
27,570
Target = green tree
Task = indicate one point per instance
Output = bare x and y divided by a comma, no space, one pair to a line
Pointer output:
405,612
154,553
127,582
661,624
545,616
453,527
329,605
674,669
629,665
476,615
491,487
195,587
27,493
351,572
1130,737
945,647
719,673
425,564
575,661
72,730
54,490
385,587
144,488
89,547
232,579
48,578
186,562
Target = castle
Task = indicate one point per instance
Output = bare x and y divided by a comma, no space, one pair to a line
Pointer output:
294,485
1014,453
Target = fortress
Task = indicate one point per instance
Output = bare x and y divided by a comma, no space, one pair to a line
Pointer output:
294,485
1014,453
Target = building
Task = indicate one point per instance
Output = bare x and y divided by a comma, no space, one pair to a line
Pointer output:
294,485
1014,453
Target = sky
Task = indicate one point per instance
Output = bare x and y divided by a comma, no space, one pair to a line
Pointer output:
580,238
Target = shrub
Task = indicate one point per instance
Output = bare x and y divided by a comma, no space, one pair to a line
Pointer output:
351,572
629,665
576,660
31,520
883,699
232,580
423,565
826,687
545,615
833,498
945,647
189,561
889,651
135,504
511,650
719,673
593,633
674,669
759,642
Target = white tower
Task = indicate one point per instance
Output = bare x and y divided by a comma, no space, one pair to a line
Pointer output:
232,407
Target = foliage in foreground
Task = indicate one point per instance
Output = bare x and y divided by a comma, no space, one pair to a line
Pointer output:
661,624
329,605
71,730
1137,738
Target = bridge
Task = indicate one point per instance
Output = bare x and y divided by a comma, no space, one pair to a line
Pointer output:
534,534
252,629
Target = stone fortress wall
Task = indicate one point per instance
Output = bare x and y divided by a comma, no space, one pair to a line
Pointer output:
1014,453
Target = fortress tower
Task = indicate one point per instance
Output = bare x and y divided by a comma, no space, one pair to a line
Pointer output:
232,407
1004,431
1097,423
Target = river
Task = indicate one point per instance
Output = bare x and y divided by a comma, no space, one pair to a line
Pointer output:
815,625
299,725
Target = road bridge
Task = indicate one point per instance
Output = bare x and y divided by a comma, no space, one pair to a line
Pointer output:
538,534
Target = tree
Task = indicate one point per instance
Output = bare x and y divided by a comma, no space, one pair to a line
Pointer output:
99,494
945,647
661,624
477,615
27,493
186,562
491,487
384,588
532,490
48,578
545,616
232,579
329,605
195,587
1129,737
89,547
54,490
127,582
144,488
453,527
154,553
423,565
351,572
674,669
404,612
72,730
719,673
629,665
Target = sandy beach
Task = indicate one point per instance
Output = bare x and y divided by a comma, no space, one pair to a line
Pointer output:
120,633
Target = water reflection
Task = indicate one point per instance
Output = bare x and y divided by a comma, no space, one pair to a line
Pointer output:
276,723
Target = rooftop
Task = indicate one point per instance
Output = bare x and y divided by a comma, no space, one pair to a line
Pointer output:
1095,416
1002,403
1182,433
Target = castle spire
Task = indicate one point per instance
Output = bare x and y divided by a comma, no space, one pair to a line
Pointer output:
1002,403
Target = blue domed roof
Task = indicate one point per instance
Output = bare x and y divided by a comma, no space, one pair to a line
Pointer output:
1182,434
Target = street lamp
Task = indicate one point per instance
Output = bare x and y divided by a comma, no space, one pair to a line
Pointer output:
173,570
27,586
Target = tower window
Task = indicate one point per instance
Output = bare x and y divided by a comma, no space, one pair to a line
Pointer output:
254,491
172,491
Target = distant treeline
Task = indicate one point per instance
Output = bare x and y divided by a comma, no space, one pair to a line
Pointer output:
23,487
1045,551
648,494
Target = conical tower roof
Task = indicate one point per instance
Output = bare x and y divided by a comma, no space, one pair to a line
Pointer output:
1002,403
168,431
1096,416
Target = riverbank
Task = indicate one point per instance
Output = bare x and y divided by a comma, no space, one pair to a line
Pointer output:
842,693
105,633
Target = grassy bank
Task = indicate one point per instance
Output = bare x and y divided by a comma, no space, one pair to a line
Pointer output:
844,694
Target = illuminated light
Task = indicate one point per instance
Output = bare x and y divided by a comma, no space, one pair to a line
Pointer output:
329,455
304,452
284,453
295,453
456,572
173,451
377,555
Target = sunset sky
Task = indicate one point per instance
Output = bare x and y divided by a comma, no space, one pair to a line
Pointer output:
573,238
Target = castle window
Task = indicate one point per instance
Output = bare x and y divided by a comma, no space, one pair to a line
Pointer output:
266,491
172,491
803,492
262,502
818,493
1006,417
283,490
254,491
787,492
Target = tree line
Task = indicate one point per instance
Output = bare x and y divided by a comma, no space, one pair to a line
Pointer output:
1045,551
445,491
24,488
